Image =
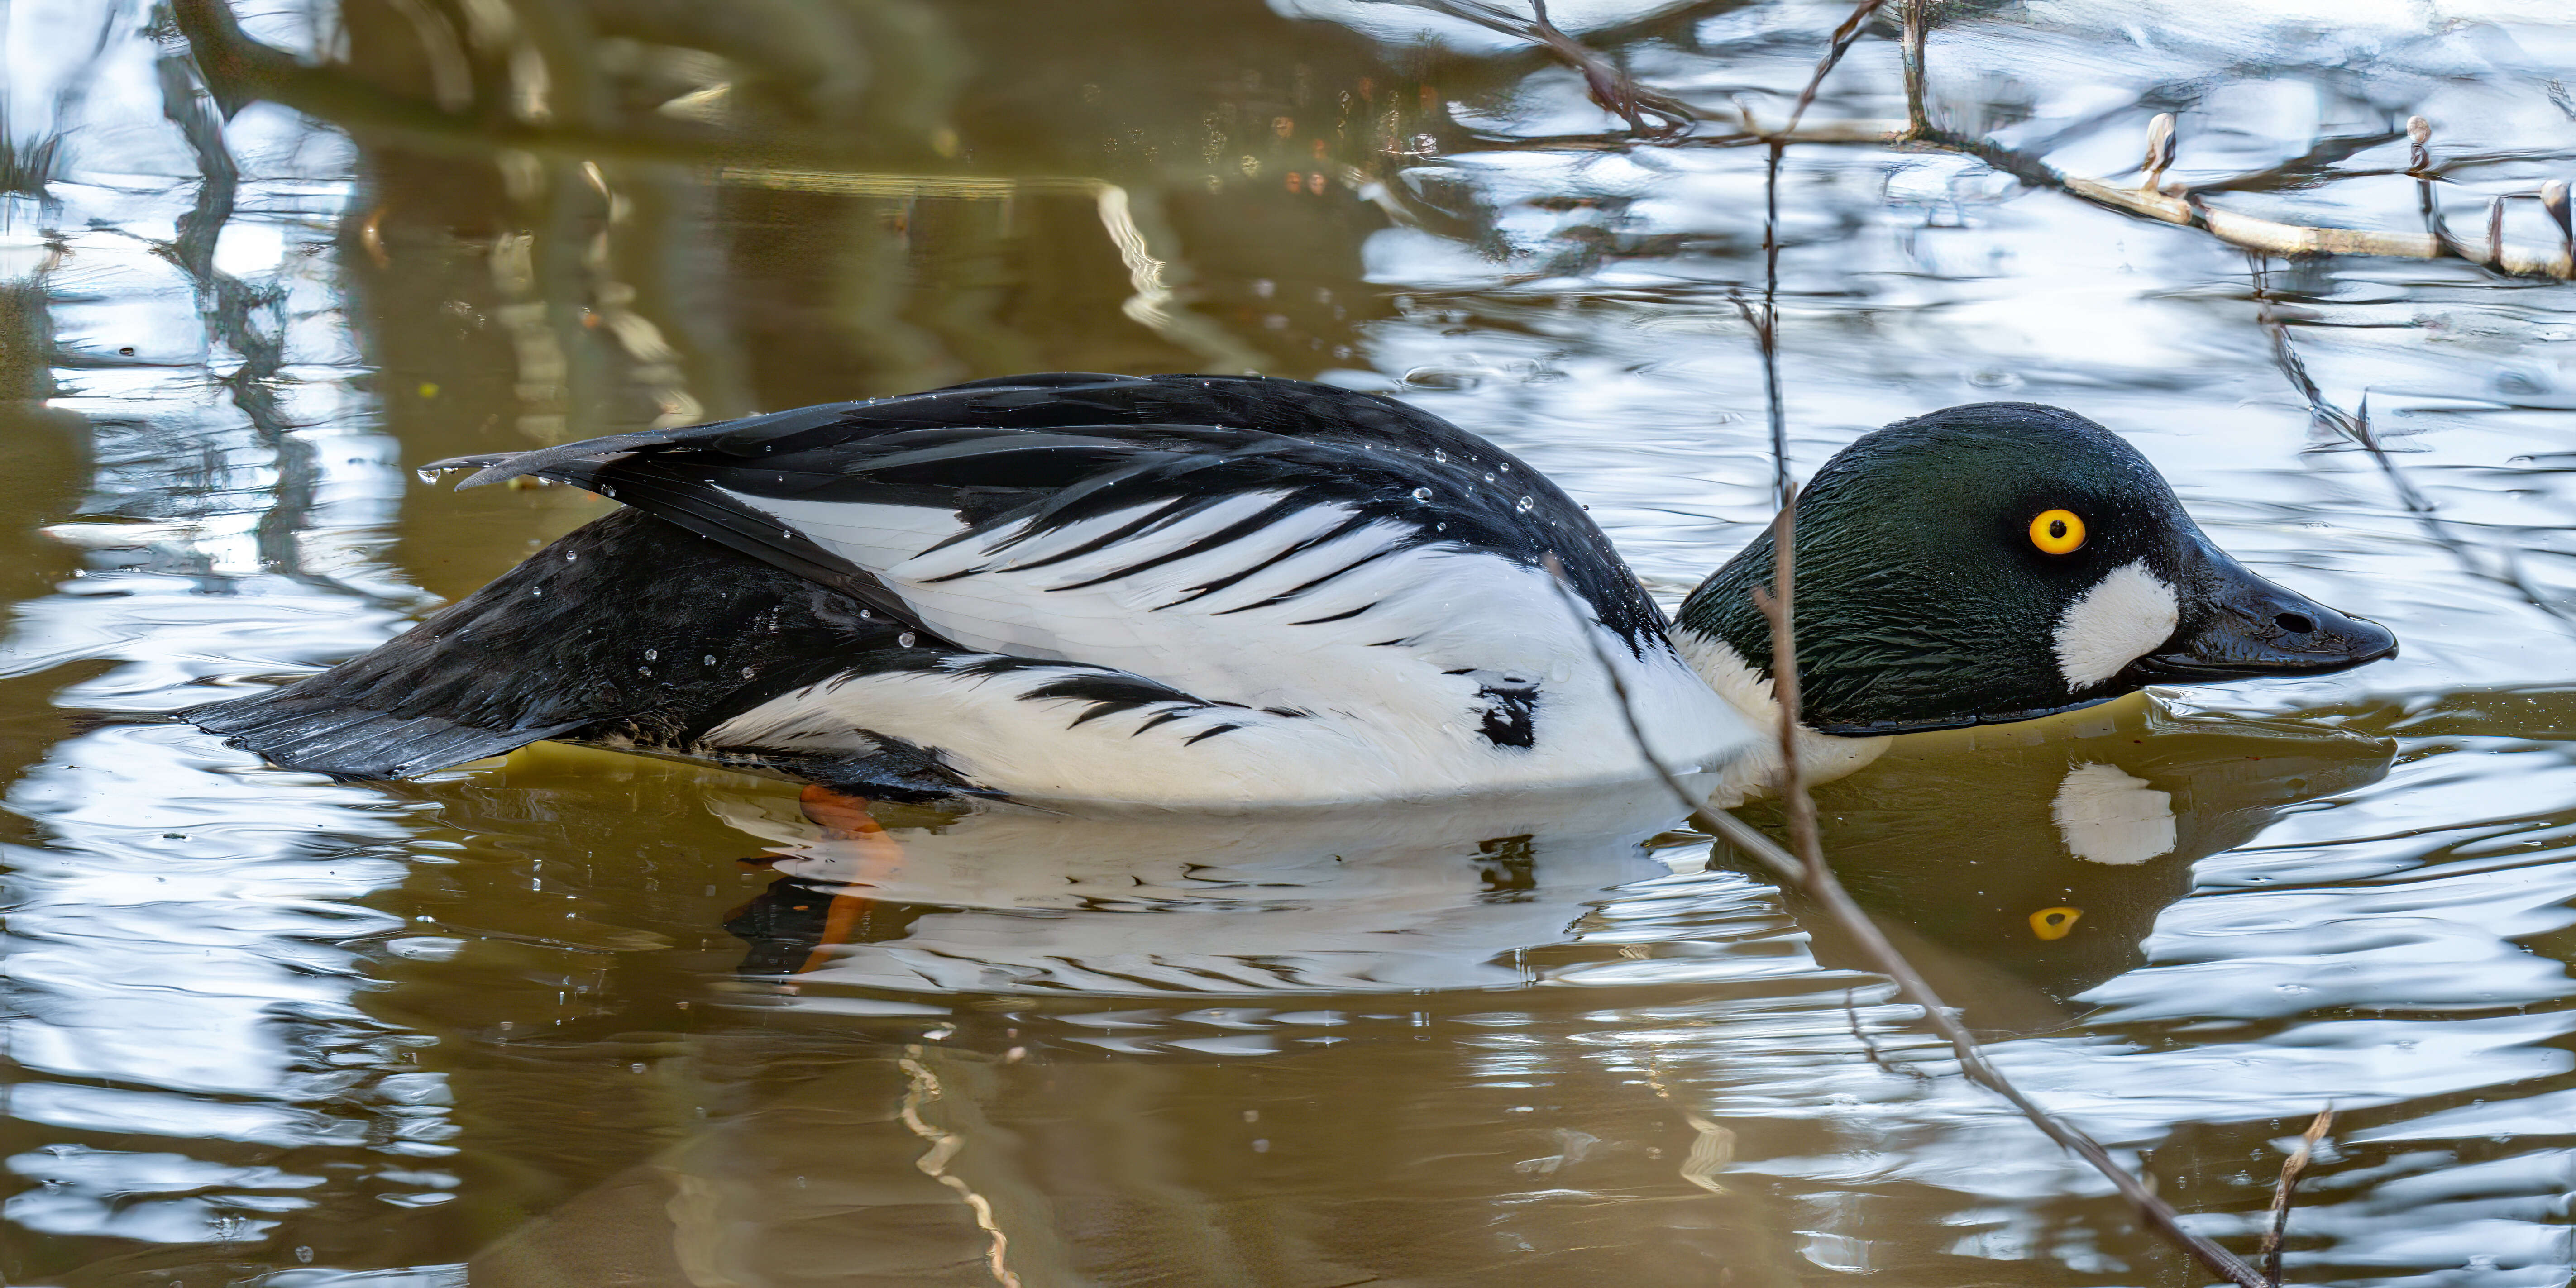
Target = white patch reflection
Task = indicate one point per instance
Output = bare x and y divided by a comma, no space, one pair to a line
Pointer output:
1809,1107
2107,816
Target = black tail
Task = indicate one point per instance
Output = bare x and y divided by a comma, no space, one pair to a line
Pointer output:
321,732
628,626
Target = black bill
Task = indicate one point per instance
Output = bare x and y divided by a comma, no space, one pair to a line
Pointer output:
2237,626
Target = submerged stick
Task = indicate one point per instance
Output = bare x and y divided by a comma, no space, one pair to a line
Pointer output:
2296,1163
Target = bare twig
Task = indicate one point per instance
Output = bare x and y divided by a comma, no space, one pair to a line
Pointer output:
2296,1163
1807,868
2264,235
240,69
2160,152
1868,1044
1761,321
1918,21
1819,884
1807,872
1766,331
2270,237
1840,45
1779,607
2355,428
1613,87
1765,324
1610,86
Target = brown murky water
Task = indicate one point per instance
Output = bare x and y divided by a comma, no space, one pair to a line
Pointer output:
584,1019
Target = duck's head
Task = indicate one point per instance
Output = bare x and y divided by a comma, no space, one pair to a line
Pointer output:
2002,561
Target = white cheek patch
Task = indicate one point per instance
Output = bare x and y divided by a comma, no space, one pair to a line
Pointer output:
2106,816
2123,618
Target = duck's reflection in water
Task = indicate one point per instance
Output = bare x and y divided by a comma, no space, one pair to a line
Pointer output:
2038,854
1422,1046
2025,864
1012,900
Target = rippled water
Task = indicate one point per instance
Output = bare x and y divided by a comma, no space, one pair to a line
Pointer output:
577,1018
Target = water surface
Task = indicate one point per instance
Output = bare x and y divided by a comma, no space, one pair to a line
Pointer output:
580,1018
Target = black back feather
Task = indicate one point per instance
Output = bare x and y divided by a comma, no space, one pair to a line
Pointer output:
1057,449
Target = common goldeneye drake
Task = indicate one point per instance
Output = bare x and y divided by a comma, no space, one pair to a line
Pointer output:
1220,591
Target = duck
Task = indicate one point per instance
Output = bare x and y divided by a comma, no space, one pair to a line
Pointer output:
1225,592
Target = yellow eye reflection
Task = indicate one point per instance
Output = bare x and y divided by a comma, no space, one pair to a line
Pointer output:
2053,923
2058,532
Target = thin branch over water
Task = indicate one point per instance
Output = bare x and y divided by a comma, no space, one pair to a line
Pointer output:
1806,868
1615,90
2296,1163
2355,427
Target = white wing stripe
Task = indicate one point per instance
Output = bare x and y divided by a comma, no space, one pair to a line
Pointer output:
1220,569
871,535
1309,570
1155,541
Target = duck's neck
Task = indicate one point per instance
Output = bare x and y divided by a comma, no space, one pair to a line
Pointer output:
1820,756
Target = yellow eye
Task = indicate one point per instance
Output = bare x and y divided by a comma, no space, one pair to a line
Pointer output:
2058,532
2053,923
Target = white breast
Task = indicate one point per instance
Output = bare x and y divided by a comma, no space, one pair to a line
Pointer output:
1822,757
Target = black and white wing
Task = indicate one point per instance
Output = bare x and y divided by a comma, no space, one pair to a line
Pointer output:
1285,547
1128,521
